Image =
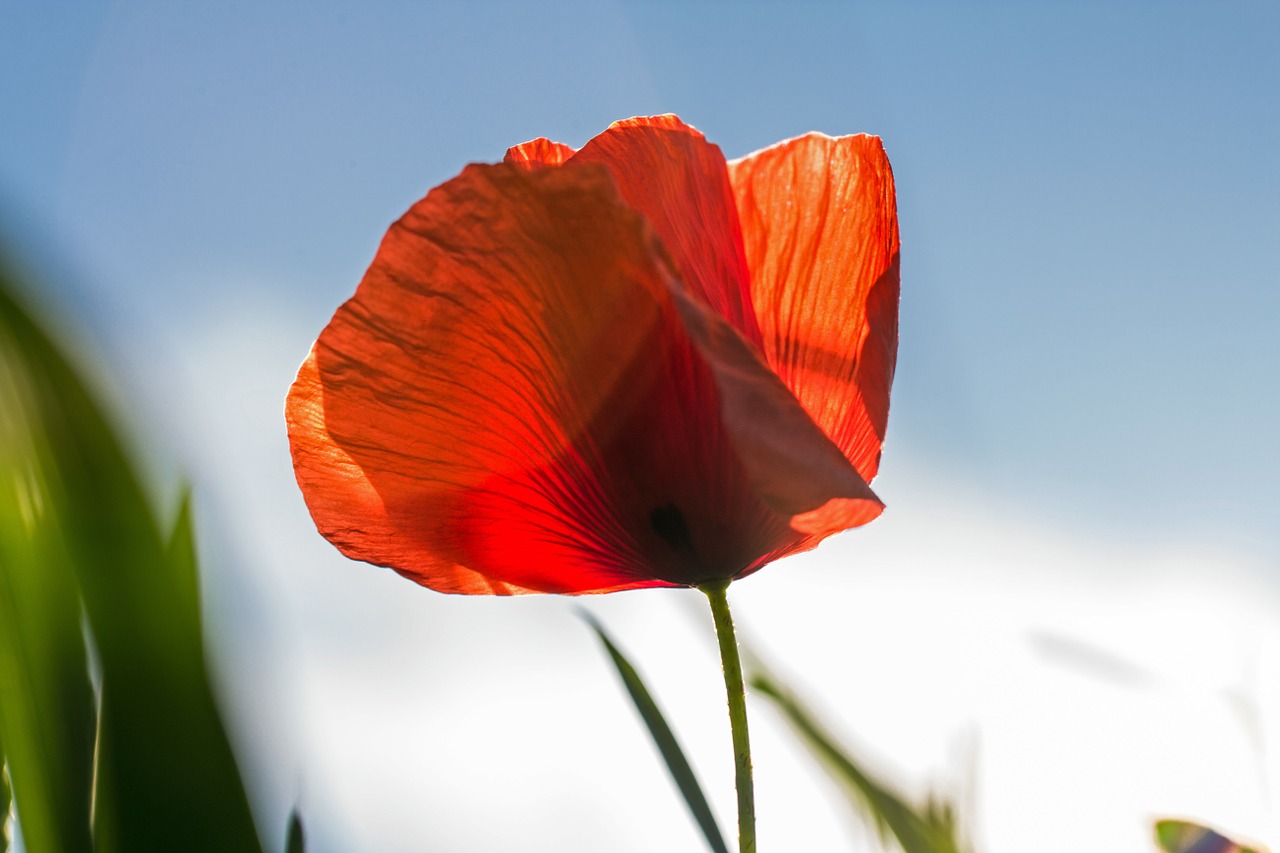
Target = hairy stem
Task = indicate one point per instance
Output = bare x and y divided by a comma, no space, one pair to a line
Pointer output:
715,593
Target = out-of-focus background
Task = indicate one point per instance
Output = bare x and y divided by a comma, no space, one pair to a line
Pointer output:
1069,616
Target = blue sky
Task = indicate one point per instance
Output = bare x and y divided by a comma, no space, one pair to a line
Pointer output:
1089,191
1089,197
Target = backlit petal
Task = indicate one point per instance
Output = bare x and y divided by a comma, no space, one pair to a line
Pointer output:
819,223
520,397
538,152
669,172
346,505
794,467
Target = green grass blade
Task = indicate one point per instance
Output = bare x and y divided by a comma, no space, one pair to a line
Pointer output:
1182,836
5,802
166,777
47,714
180,548
664,738
931,829
297,839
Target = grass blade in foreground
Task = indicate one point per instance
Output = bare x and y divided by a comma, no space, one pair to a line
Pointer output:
166,779
47,714
665,740
1182,836
4,803
928,830
296,841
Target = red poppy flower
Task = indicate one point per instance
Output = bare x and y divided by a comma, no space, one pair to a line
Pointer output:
626,366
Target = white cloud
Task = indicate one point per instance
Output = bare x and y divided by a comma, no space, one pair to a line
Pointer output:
1076,689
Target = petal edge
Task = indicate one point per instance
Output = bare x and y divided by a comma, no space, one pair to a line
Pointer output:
819,223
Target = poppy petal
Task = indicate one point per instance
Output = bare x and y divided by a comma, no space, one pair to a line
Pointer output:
514,401
819,223
668,171
538,152
345,503
461,380
794,467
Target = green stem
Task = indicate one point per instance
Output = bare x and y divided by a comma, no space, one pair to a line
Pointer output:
715,592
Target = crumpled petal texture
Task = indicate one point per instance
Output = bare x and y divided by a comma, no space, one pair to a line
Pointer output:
557,376
820,225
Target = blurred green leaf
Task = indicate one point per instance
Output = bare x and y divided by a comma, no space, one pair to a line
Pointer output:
4,802
180,549
664,738
1182,836
297,840
46,699
166,778
929,829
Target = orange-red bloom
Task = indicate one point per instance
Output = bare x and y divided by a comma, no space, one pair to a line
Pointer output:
627,366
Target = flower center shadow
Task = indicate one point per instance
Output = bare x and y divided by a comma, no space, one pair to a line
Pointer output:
668,522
